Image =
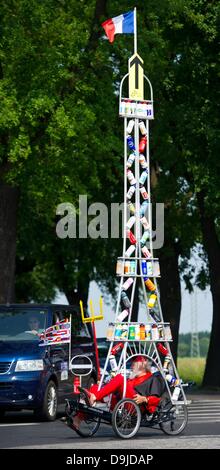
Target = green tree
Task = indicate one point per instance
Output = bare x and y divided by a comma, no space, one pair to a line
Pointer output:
56,142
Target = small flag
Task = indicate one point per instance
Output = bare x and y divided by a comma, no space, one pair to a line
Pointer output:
122,24
58,333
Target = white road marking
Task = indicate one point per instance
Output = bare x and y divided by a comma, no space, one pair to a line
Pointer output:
205,411
18,424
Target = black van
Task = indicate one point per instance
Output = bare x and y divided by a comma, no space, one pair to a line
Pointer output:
39,377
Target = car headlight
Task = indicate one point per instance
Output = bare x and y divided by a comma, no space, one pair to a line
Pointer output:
30,365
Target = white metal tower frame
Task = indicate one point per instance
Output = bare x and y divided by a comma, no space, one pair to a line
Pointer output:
147,348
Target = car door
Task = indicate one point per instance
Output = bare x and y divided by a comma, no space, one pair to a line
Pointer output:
59,354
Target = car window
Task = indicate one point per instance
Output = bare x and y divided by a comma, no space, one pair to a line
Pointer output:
78,328
22,324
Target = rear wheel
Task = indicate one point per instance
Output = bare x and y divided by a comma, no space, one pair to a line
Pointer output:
48,411
126,418
175,418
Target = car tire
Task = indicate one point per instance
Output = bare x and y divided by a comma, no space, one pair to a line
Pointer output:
2,414
91,382
48,411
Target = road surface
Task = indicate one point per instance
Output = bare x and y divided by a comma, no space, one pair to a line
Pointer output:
19,430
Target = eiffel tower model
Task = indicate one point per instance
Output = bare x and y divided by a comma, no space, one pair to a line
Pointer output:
152,338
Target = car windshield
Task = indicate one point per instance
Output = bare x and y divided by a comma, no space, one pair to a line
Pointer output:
22,324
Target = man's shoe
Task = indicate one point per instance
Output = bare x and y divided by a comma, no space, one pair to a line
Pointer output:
85,395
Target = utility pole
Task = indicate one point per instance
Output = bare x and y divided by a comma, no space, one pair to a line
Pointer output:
195,348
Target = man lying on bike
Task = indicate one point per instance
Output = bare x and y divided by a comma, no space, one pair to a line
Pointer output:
142,386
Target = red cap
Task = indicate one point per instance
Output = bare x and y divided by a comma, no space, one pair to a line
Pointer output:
139,359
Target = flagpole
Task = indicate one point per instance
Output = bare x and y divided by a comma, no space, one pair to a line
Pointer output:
135,30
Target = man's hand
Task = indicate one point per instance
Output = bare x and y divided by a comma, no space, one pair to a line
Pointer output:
139,399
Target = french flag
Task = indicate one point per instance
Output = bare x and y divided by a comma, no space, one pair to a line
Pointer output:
122,24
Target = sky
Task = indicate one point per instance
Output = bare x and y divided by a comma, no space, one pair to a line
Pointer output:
201,301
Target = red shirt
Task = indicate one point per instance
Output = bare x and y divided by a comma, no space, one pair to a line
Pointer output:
153,401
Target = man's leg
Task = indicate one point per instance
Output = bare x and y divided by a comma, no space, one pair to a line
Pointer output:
115,384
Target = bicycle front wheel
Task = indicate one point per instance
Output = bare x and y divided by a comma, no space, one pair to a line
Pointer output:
126,418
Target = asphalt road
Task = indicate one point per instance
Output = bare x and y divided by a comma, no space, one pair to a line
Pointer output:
19,430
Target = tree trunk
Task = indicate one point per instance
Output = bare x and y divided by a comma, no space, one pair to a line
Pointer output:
170,291
74,296
8,219
212,247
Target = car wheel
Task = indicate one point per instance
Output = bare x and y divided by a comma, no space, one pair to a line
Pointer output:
2,414
48,411
91,382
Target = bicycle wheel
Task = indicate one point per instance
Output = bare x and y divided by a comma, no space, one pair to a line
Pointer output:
126,418
174,418
82,421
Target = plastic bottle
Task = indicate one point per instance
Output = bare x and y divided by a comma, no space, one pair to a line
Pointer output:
148,332
176,393
130,192
110,331
131,237
118,347
130,126
172,380
154,333
123,315
144,238
152,300
139,109
166,363
161,348
130,160
122,107
131,332
144,193
124,332
127,107
113,362
142,144
120,267
167,333
130,222
127,283
129,251
149,284
142,128
137,332
161,333
125,300
130,142
127,267
142,332
146,252
133,267
144,267
131,207
118,329
143,208
143,177
142,161
131,177
145,223
150,268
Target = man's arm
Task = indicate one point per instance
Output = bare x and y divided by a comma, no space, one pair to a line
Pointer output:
152,401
